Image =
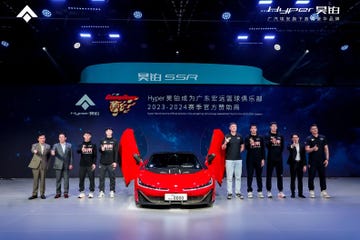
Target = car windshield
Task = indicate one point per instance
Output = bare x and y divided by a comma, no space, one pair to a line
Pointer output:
174,160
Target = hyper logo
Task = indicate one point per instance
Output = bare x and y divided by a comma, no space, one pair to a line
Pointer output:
85,102
27,13
120,104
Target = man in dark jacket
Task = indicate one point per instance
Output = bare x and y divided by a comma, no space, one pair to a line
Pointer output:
297,164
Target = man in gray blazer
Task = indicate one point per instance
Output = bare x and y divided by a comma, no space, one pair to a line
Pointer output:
63,163
39,165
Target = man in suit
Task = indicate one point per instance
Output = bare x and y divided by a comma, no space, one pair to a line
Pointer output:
62,151
39,165
297,164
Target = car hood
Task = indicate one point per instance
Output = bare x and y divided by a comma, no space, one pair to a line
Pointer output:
165,180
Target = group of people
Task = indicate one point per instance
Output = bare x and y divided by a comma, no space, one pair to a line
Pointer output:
62,152
312,156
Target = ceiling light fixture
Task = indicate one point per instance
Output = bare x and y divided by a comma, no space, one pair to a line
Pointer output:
344,47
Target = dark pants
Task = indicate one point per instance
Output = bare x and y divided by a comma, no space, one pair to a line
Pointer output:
62,174
278,165
111,172
252,166
296,172
83,171
318,167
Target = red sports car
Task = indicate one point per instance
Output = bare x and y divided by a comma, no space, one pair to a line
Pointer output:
172,178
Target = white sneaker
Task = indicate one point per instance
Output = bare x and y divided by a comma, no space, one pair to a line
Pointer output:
260,195
239,195
269,195
324,194
81,195
250,195
281,195
91,195
101,194
112,194
312,194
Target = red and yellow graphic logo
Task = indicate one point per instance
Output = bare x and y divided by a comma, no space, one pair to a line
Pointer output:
120,104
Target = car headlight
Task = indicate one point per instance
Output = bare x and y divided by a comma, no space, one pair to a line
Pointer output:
142,184
209,183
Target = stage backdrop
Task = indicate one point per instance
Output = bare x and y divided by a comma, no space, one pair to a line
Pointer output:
176,117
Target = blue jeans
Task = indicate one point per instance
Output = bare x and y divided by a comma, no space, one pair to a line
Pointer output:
233,167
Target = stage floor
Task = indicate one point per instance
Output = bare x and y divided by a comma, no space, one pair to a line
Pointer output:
119,218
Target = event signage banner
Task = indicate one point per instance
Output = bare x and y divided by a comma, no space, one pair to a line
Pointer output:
177,117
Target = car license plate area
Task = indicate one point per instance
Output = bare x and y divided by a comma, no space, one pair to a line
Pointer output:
175,197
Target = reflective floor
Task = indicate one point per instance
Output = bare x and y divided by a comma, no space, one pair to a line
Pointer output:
119,218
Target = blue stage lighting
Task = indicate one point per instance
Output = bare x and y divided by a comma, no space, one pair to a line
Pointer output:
85,35
269,37
344,47
5,43
114,35
265,2
137,14
302,2
226,15
46,13
242,37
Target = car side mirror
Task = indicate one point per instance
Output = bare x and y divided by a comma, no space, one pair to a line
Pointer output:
137,158
211,157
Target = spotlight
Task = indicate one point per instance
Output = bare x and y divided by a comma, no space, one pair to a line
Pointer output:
344,47
226,15
77,45
5,43
46,13
277,47
137,14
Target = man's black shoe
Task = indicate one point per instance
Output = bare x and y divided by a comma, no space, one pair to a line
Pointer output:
43,196
301,196
32,197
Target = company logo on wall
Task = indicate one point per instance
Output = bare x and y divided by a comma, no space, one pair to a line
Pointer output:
120,103
85,102
302,14
27,13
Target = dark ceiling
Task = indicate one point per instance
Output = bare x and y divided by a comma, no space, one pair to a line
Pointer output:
182,31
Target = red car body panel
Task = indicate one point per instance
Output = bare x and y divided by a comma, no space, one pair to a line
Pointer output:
219,162
127,148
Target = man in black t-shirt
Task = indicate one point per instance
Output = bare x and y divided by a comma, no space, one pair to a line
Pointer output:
255,160
108,161
318,155
233,146
88,155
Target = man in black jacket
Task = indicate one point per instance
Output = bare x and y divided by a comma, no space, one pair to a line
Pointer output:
297,164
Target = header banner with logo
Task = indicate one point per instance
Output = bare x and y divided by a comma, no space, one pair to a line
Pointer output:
173,73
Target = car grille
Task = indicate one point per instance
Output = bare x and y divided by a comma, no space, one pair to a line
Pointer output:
198,200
